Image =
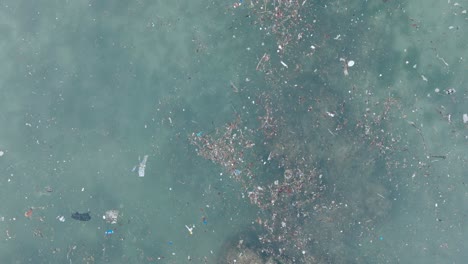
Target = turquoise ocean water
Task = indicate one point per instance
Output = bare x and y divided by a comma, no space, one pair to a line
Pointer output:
87,88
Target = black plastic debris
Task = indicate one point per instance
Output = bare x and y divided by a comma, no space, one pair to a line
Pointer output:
81,217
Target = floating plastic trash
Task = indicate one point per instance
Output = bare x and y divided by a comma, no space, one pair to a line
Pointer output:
111,216
190,229
28,213
142,166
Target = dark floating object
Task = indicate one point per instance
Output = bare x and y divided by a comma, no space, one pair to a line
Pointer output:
81,217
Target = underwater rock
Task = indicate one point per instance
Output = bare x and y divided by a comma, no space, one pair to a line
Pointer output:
243,256
81,217
244,248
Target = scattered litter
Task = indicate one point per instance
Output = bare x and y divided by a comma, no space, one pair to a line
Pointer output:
61,218
142,166
465,118
424,78
284,64
234,88
2,153
450,91
109,232
28,213
264,58
443,60
190,229
345,66
111,216
350,63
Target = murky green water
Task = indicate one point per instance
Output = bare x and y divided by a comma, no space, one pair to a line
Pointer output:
326,163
